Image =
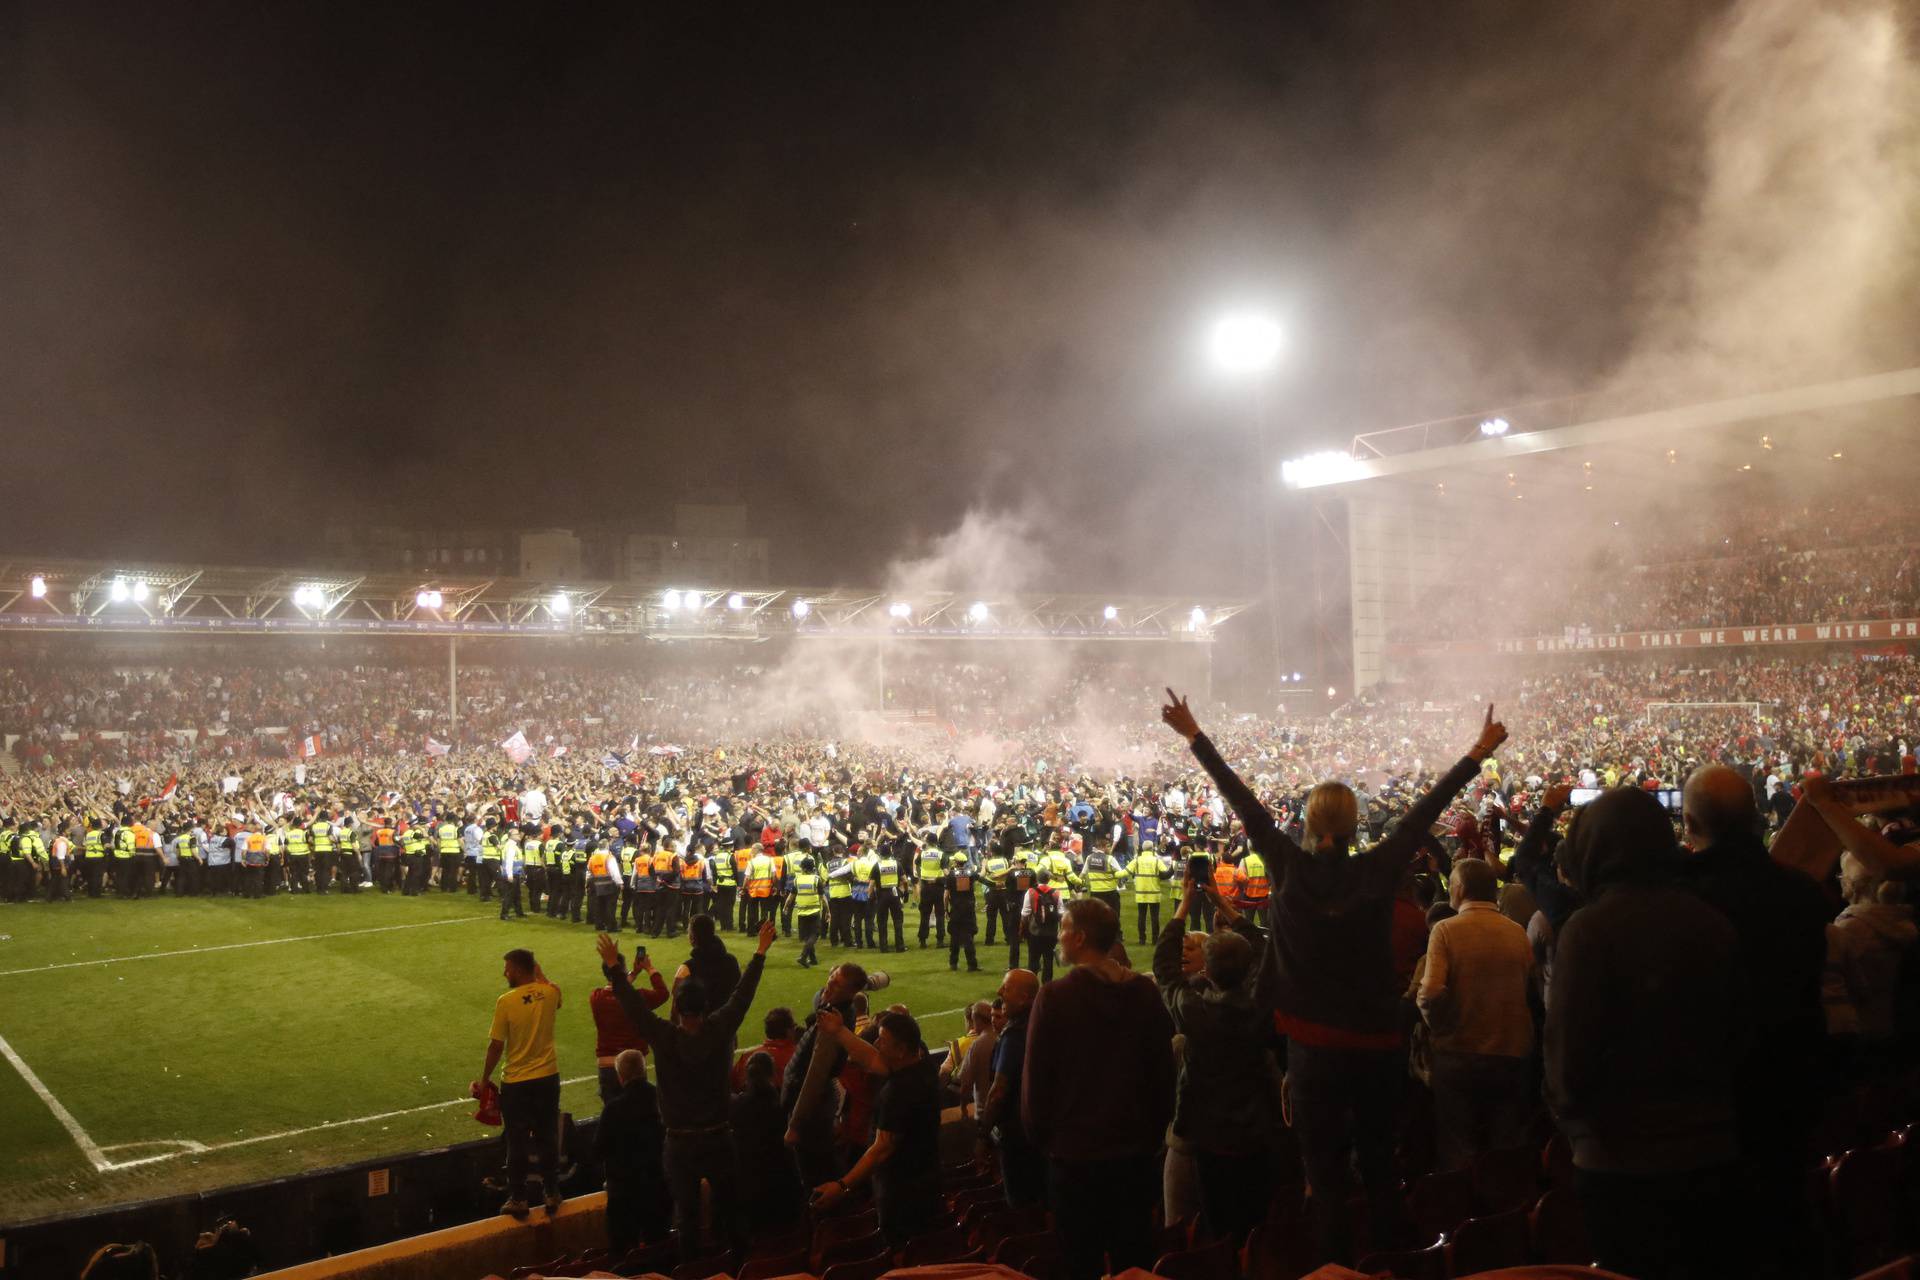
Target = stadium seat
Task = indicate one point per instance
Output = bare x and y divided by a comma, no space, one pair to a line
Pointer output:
849,1249
1174,1237
833,1231
1558,1229
1020,1252
719,1264
1440,1202
949,1244
1504,1180
647,1259
1489,1243
863,1269
778,1264
1429,1263
996,1225
1867,1204
1216,1261
1907,1268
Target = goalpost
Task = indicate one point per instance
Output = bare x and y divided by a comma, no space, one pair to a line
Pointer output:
1665,712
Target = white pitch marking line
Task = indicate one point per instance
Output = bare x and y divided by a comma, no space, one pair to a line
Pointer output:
88,1147
236,946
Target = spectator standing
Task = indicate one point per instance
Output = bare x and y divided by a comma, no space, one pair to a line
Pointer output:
629,1143
522,1035
1023,1169
1475,996
1867,946
708,960
1226,1108
1780,916
904,1160
1646,1028
970,1069
692,1056
614,1032
807,1081
1336,994
1097,1093
767,1178
1040,911
781,1040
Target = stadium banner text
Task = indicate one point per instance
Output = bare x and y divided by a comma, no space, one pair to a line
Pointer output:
1588,641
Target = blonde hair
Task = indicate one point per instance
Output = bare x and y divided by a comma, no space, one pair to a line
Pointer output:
1333,815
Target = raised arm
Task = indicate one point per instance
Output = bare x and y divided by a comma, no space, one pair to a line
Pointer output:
1262,831
1882,856
649,1023
1397,849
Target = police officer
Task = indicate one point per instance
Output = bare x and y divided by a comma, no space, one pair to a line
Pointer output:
446,843
321,837
666,876
533,860
126,880
298,846
804,889
346,855
929,873
1148,872
489,859
93,857
16,876
510,874
840,900
726,881
863,893
190,873
886,896
1101,875
956,887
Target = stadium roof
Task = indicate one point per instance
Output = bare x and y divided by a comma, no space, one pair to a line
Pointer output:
1553,445
77,595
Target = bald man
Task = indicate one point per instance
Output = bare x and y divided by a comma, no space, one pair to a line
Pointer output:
1022,1166
1780,916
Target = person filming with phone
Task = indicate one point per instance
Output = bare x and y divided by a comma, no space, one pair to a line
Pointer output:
1336,998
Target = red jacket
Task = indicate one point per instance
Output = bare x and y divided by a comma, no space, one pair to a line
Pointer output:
614,1031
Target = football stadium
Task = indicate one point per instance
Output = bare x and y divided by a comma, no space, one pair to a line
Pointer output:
866,643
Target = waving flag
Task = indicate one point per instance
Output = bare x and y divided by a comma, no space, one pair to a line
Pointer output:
437,748
557,752
518,749
173,785
613,760
310,746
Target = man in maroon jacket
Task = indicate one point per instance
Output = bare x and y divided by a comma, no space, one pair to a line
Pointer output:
1096,1096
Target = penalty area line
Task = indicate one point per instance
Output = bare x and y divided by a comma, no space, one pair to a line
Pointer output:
88,1147
237,946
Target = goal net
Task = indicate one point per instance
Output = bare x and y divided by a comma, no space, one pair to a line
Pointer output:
1701,715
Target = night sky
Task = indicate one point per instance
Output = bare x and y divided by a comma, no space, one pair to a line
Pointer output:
864,266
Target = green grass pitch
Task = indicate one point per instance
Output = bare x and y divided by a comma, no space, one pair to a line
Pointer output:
352,1033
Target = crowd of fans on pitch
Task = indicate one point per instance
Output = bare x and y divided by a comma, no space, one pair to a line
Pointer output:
1848,562
1679,1009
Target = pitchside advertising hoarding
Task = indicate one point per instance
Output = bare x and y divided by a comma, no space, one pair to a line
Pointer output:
1586,640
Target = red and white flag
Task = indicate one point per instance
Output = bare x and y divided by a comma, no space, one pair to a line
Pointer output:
310,746
517,748
436,748
173,785
557,753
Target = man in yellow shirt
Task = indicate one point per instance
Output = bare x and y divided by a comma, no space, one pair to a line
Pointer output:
530,1093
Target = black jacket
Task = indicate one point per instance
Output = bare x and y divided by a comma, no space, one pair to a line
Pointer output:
1330,916
630,1138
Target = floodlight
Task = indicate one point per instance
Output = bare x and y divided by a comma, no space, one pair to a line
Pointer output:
671,599
1296,677
119,591
1109,613
736,601
37,586
978,611
1331,691
1198,617
139,591
900,609
425,599
1495,427
1315,469
1244,342
560,603
801,608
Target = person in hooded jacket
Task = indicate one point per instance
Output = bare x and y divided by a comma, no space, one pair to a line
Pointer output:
1647,1023
1336,996
1226,1104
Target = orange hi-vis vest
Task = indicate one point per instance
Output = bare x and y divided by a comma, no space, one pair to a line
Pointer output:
1224,876
760,876
663,862
256,842
693,869
597,865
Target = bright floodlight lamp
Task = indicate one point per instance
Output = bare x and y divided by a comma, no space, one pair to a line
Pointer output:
670,600
801,608
1331,691
119,590
1109,613
1327,467
1495,427
424,599
1244,342
1198,617
37,586
900,609
736,602
1297,677
139,592
561,603
978,611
